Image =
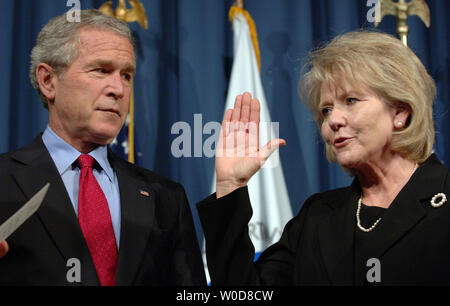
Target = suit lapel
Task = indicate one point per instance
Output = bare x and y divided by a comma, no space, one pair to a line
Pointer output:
336,233
336,236
405,212
431,171
137,217
407,209
56,212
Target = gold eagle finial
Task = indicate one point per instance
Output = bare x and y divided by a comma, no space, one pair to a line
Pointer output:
402,10
135,14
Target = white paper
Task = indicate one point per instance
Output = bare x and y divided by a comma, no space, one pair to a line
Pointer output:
23,213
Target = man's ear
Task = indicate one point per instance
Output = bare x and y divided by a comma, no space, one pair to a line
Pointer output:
402,115
46,78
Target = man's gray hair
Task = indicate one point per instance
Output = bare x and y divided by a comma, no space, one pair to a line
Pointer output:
57,43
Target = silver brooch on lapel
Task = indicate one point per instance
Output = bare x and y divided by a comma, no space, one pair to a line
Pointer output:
436,197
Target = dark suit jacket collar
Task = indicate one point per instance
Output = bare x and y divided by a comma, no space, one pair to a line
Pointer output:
337,231
336,234
59,218
56,212
137,218
429,178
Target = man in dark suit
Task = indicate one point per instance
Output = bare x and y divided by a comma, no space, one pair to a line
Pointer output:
104,221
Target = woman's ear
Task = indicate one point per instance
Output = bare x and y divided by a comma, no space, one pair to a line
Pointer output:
402,116
46,77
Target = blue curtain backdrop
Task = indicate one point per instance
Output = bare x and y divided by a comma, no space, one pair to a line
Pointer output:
184,64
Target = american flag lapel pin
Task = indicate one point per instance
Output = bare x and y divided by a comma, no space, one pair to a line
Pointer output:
144,193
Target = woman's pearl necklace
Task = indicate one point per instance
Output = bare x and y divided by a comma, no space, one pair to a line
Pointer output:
358,221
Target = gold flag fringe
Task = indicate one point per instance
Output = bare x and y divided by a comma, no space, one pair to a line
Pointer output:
251,24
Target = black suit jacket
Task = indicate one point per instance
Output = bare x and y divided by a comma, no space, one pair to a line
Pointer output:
317,246
158,244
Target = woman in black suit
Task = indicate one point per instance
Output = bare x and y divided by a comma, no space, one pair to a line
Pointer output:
372,100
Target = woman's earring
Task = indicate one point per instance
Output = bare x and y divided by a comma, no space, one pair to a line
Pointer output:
399,124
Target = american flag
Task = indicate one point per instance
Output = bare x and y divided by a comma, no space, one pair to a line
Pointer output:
124,145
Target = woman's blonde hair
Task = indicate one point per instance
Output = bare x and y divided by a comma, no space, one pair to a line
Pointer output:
381,62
